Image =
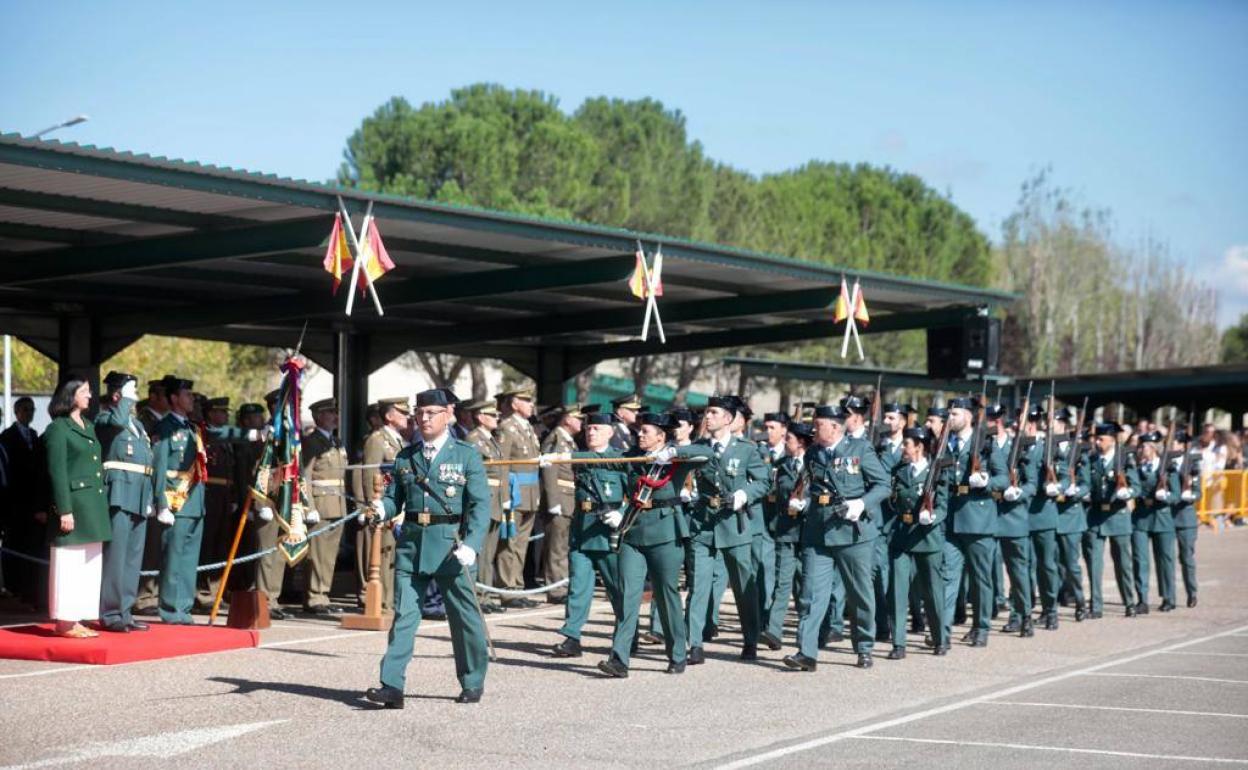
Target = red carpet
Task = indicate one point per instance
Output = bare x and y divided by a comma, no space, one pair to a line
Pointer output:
37,642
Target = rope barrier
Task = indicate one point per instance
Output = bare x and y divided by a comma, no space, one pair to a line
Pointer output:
522,592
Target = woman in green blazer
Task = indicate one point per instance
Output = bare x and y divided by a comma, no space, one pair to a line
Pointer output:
79,524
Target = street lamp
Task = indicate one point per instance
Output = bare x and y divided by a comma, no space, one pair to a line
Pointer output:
71,122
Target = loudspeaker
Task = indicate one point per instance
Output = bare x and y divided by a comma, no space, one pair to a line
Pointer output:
970,350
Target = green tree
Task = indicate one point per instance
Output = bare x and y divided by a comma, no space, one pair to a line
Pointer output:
1235,342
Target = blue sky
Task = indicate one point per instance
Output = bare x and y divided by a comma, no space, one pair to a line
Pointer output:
1141,107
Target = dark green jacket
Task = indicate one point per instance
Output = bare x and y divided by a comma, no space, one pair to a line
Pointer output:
125,440
77,477
973,511
1184,511
785,523
602,488
1072,517
1043,509
175,452
665,521
739,467
852,471
909,536
890,459
1014,518
1150,515
1107,515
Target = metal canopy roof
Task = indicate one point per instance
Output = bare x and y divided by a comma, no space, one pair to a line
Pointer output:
854,375
138,244
1223,387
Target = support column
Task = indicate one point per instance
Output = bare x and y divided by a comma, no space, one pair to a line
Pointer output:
79,351
351,387
552,375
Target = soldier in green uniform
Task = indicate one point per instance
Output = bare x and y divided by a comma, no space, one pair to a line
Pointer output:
973,513
380,447
128,479
1072,518
1186,492
999,434
518,441
150,415
558,492
893,417
785,524
600,491
847,482
1014,528
1115,485
220,497
1153,523
916,542
771,450
683,422
323,462
440,488
1043,520
484,417
179,467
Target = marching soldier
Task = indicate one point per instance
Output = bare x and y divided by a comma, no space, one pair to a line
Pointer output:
1186,522
1072,519
846,483
179,468
518,441
1014,529
1153,523
771,450
1043,520
916,543
558,489
324,470
625,410
380,448
485,421
785,526
440,485
893,417
128,478
600,492
220,498
1115,484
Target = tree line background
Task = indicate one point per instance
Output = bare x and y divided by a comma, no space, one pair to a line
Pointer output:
1091,302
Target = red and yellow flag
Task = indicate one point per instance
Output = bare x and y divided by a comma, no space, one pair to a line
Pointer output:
637,281
840,311
860,306
377,261
338,254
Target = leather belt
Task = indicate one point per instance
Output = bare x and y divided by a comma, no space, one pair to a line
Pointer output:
714,502
117,465
217,481
327,483
425,519
823,499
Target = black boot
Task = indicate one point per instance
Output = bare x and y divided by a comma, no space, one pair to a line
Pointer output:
1130,610
469,696
980,640
696,656
864,660
1166,606
1141,608
1080,612
749,652
770,639
800,662
1028,629
613,667
1050,621
1191,601
897,653
568,648
390,697
1011,627
676,668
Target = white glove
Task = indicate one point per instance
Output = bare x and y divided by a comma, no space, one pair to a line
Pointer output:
978,480
1012,494
1187,496
547,460
1052,490
165,517
854,509
507,504
1072,490
311,517
555,510
798,503
663,456
1162,495
926,517
253,435
151,511
397,522
465,555
1123,493
265,514
739,499
686,495
613,519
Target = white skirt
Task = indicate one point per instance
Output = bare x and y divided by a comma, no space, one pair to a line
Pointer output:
74,581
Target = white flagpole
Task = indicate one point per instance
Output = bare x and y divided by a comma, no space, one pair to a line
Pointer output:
353,244
368,279
849,322
857,292
355,267
652,281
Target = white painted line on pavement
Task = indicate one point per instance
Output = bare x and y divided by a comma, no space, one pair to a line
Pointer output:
1115,708
1032,747
1214,654
1172,676
43,671
783,751
161,745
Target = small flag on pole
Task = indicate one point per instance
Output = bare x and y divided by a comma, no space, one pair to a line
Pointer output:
860,306
646,283
852,309
338,253
841,310
377,261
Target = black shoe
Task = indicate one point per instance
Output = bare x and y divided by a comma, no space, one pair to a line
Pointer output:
390,697
1095,614
147,612
277,613
557,599
749,652
433,615
710,632
941,651
651,638
568,648
1166,606
1191,601
897,653
469,696
1050,622
324,613
864,660
770,640
980,639
928,641
969,636
117,627
676,668
1130,610
489,608
1011,627
138,625
519,603
800,662
1028,630
1141,608
835,637
1080,612
612,667
696,656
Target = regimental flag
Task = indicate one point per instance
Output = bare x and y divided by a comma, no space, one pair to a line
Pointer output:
338,254
637,281
377,261
860,305
841,310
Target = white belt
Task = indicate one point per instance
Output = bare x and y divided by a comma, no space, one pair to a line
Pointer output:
327,483
566,484
495,483
117,465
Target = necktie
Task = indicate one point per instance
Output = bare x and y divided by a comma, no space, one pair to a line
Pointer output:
719,449
429,451
955,444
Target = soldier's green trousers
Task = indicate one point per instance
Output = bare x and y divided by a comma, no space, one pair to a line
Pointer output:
123,557
955,562
1186,538
998,575
977,552
581,566
1068,548
787,565
852,563
1163,552
1094,557
763,550
718,586
662,562
466,625
180,543
1016,553
1044,562
739,563
925,572
881,576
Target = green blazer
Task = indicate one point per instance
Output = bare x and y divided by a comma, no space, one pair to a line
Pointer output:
125,440
1107,515
852,470
175,452
1043,509
601,488
77,477
1072,517
1183,511
739,467
973,511
911,536
1014,518
453,484
665,521
784,523
1150,515
890,459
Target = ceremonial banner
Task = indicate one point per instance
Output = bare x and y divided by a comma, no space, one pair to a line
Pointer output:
278,486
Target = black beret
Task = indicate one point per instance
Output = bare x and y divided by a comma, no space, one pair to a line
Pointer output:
324,404
653,418
779,417
994,411
221,402
589,409
962,403
803,430
917,433
173,384
830,411
680,414
1106,429
117,380
893,406
727,403
451,398
250,408
1036,413
938,411
434,397
1152,437
597,418
856,404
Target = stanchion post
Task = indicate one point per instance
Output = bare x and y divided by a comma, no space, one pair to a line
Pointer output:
373,618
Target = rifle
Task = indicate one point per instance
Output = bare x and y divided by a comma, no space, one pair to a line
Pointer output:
1120,475
877,412
927,500
1185,466
1017,447
1163,464
977,435
1050,474
1076,441
640,501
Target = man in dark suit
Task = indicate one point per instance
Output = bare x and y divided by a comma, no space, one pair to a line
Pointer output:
25,515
